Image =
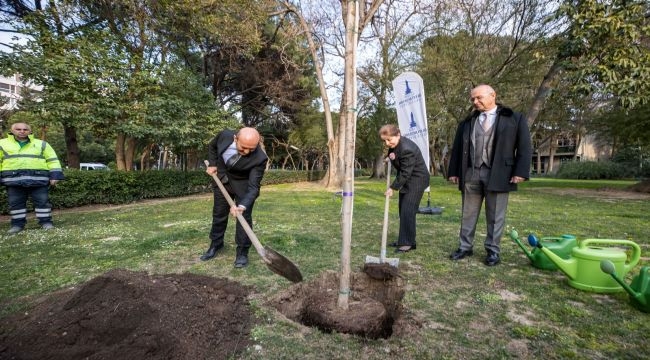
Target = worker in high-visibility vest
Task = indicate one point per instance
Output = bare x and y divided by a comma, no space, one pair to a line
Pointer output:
28,167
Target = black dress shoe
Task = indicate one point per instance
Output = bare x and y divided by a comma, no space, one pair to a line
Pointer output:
212,252
241,261
394,244
492,259
460,254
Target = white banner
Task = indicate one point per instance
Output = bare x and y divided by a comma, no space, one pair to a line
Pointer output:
412,112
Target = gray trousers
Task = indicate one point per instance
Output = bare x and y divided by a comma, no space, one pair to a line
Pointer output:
496,204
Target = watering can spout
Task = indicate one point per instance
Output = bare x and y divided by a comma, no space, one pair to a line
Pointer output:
608,267
515,237
567,266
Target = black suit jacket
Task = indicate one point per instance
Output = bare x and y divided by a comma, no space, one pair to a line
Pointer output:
245,177
412,172
512,152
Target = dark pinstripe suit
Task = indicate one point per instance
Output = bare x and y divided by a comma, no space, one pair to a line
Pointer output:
411,181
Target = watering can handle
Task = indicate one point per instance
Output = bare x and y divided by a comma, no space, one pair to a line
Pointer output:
634,259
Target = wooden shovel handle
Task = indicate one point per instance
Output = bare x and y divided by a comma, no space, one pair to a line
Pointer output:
251,235
384,230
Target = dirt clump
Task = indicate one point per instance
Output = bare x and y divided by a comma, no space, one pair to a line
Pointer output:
374,305
133,315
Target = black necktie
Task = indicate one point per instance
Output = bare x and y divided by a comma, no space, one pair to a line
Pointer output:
232,160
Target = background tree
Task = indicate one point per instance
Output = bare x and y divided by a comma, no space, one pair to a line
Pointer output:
334,20
400,27
255,66
495,43
55,33
602,48
627,131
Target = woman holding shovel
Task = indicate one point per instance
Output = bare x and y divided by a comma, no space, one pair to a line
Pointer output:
411,180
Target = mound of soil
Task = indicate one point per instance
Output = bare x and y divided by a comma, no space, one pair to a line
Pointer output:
375,304
132,315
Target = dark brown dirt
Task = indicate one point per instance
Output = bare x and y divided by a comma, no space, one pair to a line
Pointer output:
374,305
382,271
132,315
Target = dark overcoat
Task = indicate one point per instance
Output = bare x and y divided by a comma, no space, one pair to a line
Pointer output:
512,153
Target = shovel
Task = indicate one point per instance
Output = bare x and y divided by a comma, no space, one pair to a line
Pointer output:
273,260
384,233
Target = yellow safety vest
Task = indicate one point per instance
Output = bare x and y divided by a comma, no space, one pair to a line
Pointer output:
33,164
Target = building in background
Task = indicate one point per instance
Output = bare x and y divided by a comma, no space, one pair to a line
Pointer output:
11,92
550,153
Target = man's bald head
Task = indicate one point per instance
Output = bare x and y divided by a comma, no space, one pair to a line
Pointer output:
247,140
21,131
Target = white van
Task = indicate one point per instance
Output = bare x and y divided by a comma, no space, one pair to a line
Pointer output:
93,166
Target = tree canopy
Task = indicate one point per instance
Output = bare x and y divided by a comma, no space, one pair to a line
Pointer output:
167,75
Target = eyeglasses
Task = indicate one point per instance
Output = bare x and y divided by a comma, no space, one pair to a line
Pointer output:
22,129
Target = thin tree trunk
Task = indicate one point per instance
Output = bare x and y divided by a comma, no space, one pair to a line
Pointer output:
72,146
165,159
578,142
332,175
129,153
119,151
192,158
378,168
348,150
543,91
552,148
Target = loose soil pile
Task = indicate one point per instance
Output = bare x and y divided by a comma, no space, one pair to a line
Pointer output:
132,315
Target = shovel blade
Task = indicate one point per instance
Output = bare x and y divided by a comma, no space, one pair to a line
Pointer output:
281,265
394,262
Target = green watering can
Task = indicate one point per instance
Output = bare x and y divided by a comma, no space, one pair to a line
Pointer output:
639,289
583,267
561,246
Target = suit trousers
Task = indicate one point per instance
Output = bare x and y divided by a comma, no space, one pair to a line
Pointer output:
409,202
220,214
496,204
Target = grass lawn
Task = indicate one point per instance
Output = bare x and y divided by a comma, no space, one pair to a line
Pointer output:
454,310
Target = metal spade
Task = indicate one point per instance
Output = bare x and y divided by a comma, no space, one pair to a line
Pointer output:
273,260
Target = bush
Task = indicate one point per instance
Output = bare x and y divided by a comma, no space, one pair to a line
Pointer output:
288,176
119,187
634,159
593,170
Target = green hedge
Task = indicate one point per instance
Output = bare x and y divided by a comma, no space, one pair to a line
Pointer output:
119,187
593,170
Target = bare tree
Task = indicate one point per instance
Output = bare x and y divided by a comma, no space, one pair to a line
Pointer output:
331,43
400,26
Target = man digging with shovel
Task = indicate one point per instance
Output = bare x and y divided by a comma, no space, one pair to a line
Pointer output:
239,162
